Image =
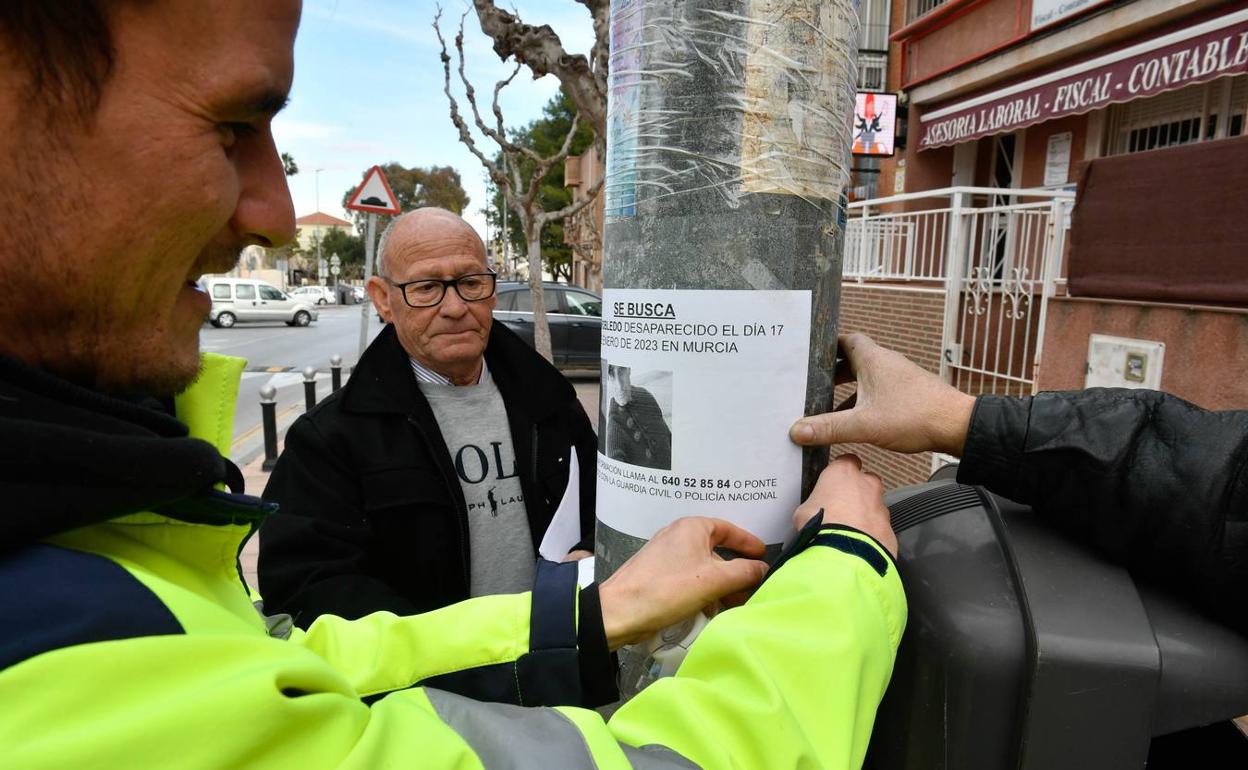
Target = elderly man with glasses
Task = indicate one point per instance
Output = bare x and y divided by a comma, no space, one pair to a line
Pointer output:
431,477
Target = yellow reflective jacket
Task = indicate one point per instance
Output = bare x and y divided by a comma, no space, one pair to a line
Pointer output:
133,643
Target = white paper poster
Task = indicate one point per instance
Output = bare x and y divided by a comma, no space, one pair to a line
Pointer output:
564,530
1057,159
699,390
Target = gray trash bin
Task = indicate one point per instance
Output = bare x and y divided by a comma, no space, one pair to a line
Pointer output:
1026,650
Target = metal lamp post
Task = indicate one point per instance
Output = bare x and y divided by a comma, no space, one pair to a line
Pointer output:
727,157
316,174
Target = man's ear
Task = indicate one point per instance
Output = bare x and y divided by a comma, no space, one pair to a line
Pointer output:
379,293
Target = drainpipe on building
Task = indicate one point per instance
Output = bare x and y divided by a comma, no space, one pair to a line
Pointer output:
727,159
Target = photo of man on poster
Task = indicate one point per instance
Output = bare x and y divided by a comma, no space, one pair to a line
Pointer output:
635,429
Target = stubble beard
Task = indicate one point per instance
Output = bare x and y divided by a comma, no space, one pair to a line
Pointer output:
89,340
49,321
179,366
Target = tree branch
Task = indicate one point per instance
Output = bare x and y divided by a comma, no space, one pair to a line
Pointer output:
572,209
498,89
544,165
499,135
457,119
541,50
520,175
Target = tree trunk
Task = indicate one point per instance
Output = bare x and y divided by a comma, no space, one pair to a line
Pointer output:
541,327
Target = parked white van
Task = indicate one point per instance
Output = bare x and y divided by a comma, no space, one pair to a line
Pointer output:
239,300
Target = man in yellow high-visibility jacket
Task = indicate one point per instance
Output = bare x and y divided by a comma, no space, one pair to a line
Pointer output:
137,156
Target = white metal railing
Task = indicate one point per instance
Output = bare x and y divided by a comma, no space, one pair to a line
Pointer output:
995,251
901,246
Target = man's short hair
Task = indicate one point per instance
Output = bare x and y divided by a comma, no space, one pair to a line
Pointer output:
384,241
65,46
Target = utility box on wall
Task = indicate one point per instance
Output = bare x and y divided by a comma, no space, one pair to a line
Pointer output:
1120,362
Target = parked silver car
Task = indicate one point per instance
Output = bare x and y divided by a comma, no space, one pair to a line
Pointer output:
320,295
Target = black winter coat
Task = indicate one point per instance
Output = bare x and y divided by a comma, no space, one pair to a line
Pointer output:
372,515
637,433
1155,483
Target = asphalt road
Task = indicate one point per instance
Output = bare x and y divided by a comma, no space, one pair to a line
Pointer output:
277,354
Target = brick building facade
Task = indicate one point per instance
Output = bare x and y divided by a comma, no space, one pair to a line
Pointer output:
1022,95
906,319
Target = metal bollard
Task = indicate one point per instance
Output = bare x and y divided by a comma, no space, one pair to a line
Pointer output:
309,387
335,372
268,414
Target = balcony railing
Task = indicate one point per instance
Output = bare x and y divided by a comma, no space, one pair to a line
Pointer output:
996,253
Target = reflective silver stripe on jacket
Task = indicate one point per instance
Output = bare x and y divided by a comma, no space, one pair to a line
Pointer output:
506,736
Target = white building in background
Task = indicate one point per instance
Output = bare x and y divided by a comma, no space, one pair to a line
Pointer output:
315,226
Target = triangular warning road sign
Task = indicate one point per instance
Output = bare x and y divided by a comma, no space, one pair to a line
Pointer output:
374,195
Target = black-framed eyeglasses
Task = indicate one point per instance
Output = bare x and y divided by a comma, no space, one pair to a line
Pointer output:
428,292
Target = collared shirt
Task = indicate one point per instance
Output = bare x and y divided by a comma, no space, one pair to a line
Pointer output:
429,376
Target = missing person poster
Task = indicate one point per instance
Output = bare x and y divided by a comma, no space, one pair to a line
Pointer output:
699,390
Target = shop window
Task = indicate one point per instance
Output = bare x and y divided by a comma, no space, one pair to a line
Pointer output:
1238,106
1199,113
1165,135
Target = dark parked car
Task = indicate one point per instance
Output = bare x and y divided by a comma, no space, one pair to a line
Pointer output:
575,317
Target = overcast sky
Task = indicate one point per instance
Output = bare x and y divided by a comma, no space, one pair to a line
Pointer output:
368,90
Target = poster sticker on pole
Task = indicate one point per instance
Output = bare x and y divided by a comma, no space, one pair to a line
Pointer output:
699,390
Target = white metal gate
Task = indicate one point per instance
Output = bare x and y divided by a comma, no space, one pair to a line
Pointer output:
997,254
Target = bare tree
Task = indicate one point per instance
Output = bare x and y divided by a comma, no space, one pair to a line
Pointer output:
519,176
541,50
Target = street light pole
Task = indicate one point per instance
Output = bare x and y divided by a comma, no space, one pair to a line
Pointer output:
316,173
723,198
506,233
491,239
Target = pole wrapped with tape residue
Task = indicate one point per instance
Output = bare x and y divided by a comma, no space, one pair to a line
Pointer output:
727,157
